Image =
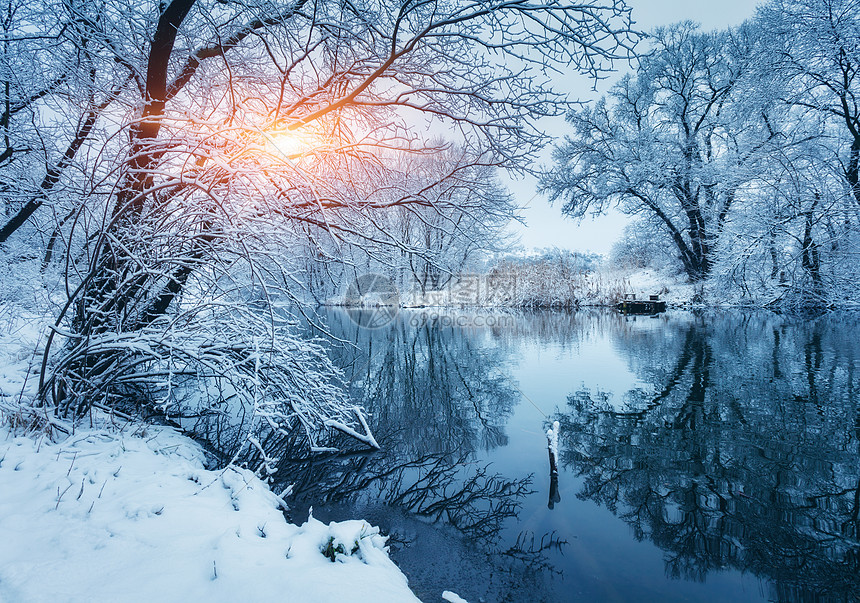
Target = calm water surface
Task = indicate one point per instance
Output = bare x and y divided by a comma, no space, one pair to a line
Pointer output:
704,457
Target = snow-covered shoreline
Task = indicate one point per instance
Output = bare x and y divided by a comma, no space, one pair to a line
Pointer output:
125,511
129,513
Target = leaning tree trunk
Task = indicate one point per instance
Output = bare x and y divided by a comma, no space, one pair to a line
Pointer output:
53,173
121,346
118,295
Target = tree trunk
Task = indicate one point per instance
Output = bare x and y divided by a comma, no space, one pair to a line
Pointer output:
810,256
118,295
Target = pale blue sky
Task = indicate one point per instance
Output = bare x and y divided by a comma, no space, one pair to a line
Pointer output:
546,227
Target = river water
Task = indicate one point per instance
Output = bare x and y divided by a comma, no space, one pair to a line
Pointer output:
707,456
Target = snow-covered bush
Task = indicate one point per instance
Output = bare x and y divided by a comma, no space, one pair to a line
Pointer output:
554,279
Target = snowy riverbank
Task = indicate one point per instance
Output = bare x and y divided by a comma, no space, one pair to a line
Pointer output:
128,513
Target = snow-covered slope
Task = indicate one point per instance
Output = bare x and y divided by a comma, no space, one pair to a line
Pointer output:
107,515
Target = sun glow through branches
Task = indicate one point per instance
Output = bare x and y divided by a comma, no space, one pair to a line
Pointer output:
290,145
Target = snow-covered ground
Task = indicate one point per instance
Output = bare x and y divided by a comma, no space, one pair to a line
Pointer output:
121,511
672,288
128,513
529,286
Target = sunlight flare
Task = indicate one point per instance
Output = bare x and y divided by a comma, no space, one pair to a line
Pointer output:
290,145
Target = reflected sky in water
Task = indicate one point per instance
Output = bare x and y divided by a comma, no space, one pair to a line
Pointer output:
704,457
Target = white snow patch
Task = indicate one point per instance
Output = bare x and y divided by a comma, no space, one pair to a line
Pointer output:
453,597
108,516
552,439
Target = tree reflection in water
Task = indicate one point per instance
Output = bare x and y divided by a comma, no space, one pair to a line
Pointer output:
740,450
745,454
435,396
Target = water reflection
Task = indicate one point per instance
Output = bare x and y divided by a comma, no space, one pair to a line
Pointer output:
437,399
428,388
743,452
729,440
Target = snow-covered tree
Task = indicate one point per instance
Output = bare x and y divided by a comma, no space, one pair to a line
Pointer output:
814,45
642,246
458,216
233,133
794,241
673,143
